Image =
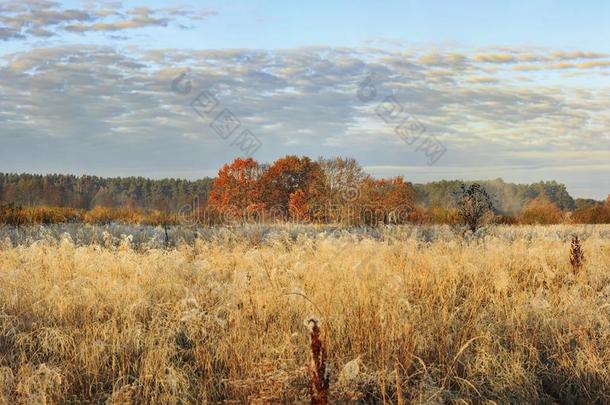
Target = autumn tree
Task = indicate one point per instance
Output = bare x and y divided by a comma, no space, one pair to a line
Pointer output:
343,183
296,180
593,214
386,200
298,206
343,177
541,210
236,190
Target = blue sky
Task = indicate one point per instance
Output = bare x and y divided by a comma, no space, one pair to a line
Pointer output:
509,89
281,24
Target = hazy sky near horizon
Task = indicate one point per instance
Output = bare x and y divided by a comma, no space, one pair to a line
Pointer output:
511,89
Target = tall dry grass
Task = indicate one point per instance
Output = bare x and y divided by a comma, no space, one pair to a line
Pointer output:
402,321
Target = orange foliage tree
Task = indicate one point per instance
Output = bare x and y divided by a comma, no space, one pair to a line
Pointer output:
293,186
236,190
541,211
593,215
386,200
298,205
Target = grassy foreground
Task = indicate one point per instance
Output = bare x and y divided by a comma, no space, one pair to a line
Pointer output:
502,318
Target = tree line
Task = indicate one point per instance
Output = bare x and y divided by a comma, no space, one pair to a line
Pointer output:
88,192
292,188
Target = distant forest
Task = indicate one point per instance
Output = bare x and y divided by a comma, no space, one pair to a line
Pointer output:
88,192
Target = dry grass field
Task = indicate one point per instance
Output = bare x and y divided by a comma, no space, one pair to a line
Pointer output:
498,319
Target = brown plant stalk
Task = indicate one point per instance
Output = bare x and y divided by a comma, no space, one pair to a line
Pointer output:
320,382
577,256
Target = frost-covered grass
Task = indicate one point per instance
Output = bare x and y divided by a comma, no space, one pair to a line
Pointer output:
413,314
150,237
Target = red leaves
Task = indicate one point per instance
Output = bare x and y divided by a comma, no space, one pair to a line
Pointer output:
293,185
297,205
386,200
236,188
300,189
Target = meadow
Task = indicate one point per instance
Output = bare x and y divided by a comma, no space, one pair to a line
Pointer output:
407,314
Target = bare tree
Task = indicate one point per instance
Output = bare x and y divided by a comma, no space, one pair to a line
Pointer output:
473,204
342,175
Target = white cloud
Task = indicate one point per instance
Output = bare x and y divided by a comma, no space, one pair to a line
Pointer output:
90,107
20,20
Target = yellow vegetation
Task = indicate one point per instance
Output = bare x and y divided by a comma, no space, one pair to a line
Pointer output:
503,319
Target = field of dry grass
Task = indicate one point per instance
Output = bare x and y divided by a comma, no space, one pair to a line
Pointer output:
498,319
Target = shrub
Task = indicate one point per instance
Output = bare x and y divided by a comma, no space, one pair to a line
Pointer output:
474,204
541,211
11,214
105,215
591,215
442,215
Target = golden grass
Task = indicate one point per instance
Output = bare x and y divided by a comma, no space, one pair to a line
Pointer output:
403,321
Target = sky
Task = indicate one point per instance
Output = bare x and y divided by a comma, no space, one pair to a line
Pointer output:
428,90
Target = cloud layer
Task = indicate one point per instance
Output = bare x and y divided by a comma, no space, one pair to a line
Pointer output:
102,110
28,19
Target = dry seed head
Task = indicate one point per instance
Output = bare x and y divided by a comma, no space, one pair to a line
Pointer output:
577,256
312,322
